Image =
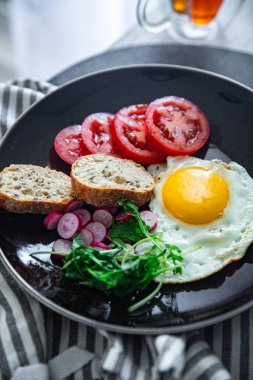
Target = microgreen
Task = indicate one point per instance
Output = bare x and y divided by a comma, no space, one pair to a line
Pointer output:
119,270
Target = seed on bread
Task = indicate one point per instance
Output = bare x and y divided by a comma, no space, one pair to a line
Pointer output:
101,180
34,189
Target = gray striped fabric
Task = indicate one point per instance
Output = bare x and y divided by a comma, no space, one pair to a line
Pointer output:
36,343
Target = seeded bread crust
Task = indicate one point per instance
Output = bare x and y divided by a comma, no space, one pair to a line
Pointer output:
34,189
101,180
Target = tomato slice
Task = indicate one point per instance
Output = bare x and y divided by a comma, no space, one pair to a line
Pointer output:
69,145
129,133
176,125
96,133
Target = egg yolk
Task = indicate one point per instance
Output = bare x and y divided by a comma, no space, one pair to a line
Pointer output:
195,195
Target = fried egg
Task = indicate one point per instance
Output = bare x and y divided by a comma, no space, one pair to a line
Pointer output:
206,209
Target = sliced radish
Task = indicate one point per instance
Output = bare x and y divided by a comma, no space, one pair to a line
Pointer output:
84,215
149,218
73,205
123,217
143,248
69,225
99,244
52,219
61,245
111,209
103,216
87,236
98,230
123,252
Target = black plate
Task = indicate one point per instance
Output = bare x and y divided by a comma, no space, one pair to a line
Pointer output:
229,107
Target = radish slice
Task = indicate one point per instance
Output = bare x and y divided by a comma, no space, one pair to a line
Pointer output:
98,244
69,225
111,209
73,205
123,217
62,245
149,218
143,248
98,230
84,215
52,219
123,252
87,236
103,216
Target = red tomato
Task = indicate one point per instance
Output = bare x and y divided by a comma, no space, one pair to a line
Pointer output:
129,133
96,133
176,125
69,145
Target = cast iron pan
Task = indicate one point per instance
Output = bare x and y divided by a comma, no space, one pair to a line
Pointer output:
229,108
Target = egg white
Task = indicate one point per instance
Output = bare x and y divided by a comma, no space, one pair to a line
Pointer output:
207,248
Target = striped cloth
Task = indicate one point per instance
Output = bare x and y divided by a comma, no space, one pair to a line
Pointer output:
36,343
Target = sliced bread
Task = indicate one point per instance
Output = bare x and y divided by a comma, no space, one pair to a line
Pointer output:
101,180
34,189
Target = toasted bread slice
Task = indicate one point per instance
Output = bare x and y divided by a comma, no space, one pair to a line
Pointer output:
34,189
101,180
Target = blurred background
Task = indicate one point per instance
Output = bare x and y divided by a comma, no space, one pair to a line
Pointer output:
39,38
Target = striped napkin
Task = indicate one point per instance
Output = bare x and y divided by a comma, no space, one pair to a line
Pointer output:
38,344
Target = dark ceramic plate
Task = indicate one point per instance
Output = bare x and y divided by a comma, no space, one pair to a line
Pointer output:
229,107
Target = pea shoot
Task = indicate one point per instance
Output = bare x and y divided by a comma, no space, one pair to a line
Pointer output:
119,270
